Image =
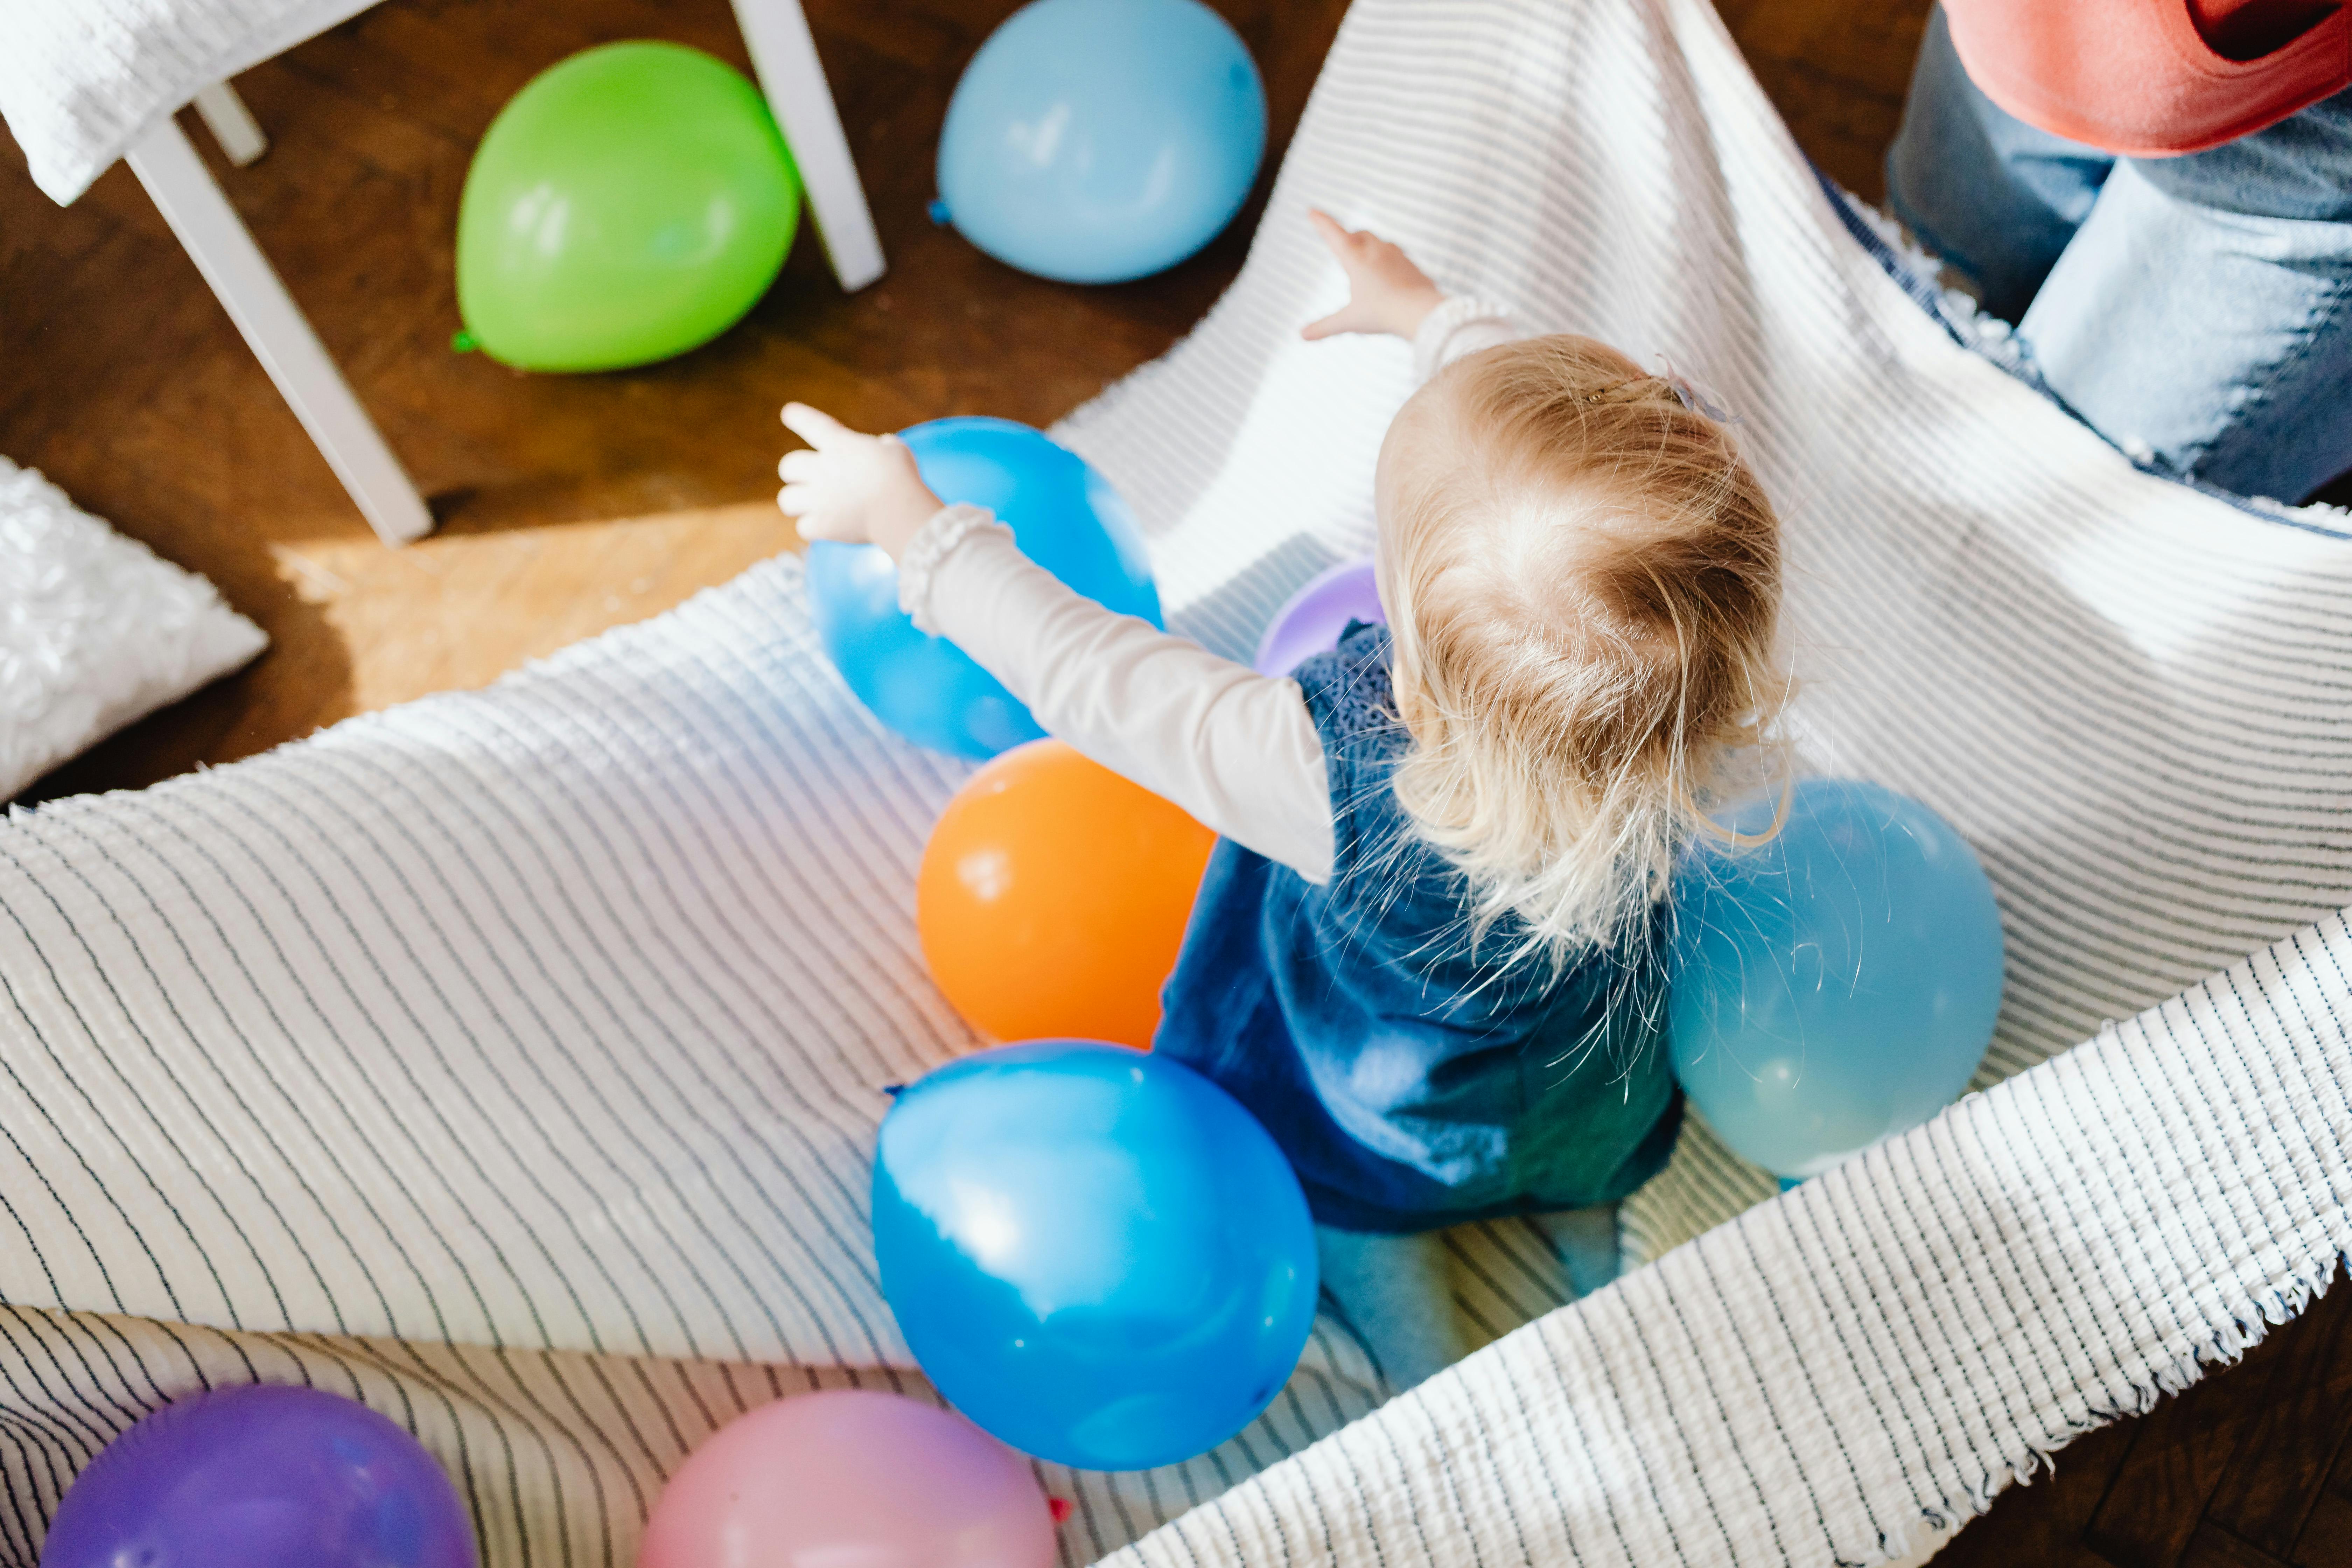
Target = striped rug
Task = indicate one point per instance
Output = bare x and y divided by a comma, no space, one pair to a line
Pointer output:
510,1060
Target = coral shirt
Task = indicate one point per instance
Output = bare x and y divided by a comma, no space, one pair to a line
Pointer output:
2151,78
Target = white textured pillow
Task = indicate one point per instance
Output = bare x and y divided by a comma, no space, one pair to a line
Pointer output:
82,80
96,630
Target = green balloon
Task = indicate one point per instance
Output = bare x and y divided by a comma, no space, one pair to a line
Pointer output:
631,203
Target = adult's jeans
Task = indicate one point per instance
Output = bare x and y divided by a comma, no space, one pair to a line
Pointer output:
2197,311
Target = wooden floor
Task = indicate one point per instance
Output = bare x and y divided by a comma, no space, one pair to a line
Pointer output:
572,504
2248,1469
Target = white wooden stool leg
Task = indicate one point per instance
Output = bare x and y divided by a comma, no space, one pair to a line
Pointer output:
231,123
223,251
784,54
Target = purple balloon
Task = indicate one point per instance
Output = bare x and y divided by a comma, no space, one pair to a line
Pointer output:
1311,620
261,1478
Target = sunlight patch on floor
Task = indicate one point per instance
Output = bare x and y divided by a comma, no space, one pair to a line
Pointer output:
456,611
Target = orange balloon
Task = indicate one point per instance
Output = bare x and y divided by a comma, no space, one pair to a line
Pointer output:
1053,898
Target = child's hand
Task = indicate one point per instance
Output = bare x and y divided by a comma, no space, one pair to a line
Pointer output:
852,488
1386,293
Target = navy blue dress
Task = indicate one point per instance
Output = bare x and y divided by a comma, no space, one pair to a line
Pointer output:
1414,1080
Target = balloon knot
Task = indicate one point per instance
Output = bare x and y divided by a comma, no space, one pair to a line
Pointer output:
938,212
894,1090
1059,1507
464,343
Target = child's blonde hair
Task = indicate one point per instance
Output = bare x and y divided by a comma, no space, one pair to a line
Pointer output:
1583,581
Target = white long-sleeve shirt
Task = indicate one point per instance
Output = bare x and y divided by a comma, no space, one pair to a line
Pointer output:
1237,750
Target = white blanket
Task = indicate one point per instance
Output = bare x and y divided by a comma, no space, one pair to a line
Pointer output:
82,80
511,1058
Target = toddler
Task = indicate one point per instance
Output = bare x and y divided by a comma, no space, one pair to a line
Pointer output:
1427,950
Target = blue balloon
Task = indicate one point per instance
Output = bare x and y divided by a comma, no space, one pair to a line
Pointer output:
1066,518
1837,986
261,1476
1096,1254
1095,141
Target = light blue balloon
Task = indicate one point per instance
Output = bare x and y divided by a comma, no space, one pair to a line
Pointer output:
1837,986
1064,515
1095,1254
1095,141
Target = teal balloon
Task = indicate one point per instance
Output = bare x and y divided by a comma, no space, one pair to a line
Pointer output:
1095,141
629,203
1065,517
1095,1254
1837,986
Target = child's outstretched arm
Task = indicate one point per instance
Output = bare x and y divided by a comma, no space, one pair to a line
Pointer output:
1388,294
1237,749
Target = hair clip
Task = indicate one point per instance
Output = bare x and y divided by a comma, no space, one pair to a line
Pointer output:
1639,388
1634,389
1698,399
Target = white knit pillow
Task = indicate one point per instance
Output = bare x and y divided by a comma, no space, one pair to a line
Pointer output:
96,630
82,80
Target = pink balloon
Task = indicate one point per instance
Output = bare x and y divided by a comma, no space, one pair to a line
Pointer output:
847,1479
1311,620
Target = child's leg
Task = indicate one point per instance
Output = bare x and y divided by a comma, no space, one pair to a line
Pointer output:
1586,1241
1395,1292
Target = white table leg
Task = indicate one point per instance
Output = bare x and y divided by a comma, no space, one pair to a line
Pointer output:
231,123
223,251
784,54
